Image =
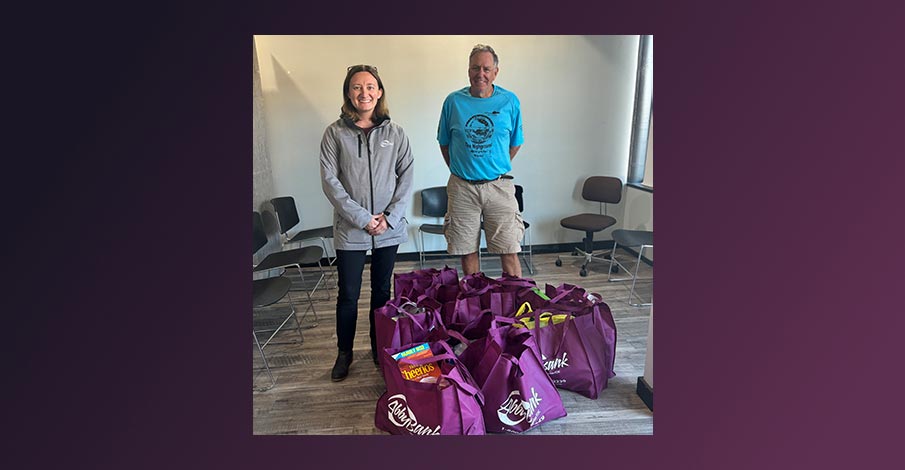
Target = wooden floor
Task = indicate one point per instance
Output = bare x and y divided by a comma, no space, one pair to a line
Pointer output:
305,401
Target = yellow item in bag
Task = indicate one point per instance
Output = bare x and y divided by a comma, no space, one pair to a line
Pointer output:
524,310
544,317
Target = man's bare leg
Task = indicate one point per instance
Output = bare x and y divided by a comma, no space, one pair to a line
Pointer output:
511,264
470,263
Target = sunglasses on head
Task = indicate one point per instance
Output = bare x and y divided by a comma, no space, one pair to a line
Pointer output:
362,68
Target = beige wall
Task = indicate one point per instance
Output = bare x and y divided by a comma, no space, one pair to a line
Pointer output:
576,94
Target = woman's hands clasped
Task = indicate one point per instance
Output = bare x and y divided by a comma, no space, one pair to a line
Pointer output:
377,225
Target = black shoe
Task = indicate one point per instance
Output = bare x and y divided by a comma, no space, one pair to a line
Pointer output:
341,368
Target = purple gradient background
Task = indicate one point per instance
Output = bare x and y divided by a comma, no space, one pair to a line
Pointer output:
781,239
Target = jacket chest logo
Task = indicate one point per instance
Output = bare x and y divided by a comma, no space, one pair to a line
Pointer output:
385,143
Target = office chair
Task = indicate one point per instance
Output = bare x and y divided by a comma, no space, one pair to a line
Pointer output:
288,258
267,292
526,255
433,204
602,189
288,218
632,238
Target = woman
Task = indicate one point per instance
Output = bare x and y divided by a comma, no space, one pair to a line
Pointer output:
366,168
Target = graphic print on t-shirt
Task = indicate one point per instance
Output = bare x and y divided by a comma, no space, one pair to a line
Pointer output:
478,131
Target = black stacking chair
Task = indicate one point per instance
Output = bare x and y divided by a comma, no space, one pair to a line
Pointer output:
270,291
602,189
433,204
288,218
266,292
526,239
640,239
309,282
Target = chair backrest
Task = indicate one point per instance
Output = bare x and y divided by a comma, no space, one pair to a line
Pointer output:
287,214
602,189
434,201
258,235
518,197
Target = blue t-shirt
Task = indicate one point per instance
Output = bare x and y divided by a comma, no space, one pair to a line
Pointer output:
479,132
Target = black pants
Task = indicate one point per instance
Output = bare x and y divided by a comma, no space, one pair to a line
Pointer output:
349,265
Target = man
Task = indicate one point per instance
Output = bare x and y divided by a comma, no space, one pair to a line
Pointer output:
479,134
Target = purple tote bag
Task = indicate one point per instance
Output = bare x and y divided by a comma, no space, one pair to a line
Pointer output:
480,298
570,298
401,321
441,284
429,408
518,394
577,353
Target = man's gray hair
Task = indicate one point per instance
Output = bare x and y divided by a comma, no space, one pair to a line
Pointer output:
479,48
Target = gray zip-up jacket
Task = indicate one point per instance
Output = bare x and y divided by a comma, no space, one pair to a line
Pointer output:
364,174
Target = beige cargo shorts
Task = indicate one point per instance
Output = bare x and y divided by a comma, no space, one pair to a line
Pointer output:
494,203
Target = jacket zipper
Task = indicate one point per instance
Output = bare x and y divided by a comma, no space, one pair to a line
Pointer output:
370,178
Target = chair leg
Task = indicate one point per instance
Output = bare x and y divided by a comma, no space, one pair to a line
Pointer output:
530,258
276,330
294,315
329,263
266,366
480,261
421,251
298,325
633,276
612,260
312,291
321,280
423,255
634,279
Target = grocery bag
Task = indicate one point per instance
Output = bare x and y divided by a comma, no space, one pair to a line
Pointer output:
402,321
576,348
440,284
448,404
518,394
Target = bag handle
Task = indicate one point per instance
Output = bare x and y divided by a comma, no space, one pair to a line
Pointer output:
525,308
399,307
464,386
496,320
474,292
455,334
555,301
402,311
589,298
569,322
414,321
566,291
536,315
511,281
497,324
424,298
516,366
